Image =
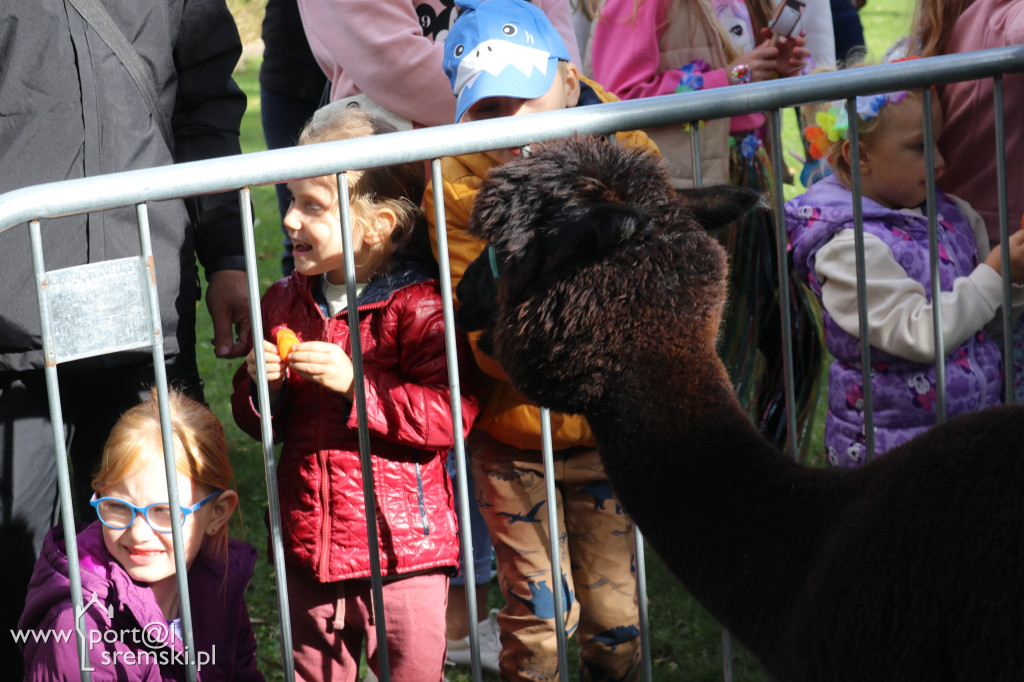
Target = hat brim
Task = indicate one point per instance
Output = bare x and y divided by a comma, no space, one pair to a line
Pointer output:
509,82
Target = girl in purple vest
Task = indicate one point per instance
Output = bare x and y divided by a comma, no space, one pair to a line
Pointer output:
899,292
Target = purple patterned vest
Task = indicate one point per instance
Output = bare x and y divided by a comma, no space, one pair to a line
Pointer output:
903,392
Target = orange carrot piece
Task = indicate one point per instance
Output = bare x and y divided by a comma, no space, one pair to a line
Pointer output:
286,338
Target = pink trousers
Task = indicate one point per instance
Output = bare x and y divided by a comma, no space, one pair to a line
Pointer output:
330,622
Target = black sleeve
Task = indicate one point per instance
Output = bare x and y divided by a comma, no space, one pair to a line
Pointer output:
207,117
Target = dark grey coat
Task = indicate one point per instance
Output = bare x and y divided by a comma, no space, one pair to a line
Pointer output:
69,109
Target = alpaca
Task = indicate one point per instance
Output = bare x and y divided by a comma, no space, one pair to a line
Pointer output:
609,296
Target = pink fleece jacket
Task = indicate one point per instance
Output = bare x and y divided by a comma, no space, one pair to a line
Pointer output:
392,50
626,54
968,140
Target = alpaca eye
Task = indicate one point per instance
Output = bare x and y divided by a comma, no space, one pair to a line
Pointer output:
459,49
509,29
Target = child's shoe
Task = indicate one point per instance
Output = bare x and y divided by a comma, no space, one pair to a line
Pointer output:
459,652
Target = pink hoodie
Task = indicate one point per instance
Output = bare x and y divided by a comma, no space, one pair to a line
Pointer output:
626,55
391,50
968,140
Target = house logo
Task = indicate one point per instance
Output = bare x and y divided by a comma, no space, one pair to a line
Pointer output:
94,601
79,613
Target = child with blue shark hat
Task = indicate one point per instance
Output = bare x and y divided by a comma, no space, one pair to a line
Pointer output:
504,58
501,48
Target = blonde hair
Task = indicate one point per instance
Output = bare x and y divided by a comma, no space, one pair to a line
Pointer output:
398,188
865,131
200,452
833,154
934,21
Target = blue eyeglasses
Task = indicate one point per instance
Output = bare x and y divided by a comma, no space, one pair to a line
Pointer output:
119,514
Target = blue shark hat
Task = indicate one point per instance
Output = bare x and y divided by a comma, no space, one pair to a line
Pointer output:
501,48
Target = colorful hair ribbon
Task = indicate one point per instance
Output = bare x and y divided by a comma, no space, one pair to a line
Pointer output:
833,125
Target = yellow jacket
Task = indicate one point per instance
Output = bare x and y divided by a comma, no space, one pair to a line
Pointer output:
505,414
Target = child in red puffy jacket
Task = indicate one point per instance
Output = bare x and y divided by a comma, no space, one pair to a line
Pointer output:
401,332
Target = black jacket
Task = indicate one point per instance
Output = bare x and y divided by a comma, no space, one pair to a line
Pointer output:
69,109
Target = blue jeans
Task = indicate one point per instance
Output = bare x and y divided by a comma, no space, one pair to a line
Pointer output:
482,550
847,29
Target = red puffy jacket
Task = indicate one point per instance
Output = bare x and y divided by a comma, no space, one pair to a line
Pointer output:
409,419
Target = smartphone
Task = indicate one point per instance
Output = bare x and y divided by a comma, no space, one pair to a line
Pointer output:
787,16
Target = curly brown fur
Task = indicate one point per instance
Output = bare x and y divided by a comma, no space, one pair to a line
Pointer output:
579,208
610,301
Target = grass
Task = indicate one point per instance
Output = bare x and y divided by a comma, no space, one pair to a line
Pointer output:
685,640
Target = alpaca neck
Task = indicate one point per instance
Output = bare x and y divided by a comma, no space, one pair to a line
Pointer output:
724,507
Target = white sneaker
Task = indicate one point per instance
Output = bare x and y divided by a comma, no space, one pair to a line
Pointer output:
459,652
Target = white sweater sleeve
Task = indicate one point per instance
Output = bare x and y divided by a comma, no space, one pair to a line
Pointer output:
981,239
900,317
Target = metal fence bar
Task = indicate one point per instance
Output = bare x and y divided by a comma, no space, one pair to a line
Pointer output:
67,514
461,474
366,465
1004,236
170,468
642,606
698,181
933,256
279,165
553,539
267,437
785,311
862,296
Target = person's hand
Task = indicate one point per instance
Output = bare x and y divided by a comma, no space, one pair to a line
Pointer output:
762,62
1015,245
324,363
227,298
793,52
276,371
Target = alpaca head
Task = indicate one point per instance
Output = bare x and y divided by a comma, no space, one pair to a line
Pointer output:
592,252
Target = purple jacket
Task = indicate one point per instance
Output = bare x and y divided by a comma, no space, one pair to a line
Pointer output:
125,621
903,391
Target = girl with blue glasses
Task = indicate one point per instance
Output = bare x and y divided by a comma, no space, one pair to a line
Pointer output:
129,586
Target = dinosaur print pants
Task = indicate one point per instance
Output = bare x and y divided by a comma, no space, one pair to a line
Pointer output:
597,554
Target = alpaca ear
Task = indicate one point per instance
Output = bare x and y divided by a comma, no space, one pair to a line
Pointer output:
719,205
594,231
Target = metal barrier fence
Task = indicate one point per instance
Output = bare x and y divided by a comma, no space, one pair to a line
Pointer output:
38,203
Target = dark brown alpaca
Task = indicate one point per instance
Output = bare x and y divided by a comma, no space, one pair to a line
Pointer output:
609,301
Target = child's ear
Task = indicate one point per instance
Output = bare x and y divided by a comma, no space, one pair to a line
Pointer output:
221,510
865,164
382,223
572,85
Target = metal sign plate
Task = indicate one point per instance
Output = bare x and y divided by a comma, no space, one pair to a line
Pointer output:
98,308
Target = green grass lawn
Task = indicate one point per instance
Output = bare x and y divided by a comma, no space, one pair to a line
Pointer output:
685,641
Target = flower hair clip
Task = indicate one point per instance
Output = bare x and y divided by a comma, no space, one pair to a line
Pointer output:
832,125
869,106
692,76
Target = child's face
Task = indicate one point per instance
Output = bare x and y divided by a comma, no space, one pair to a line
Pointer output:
146,555
893,160
563,93
314,227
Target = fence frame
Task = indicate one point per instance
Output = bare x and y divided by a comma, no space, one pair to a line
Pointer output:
51,200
